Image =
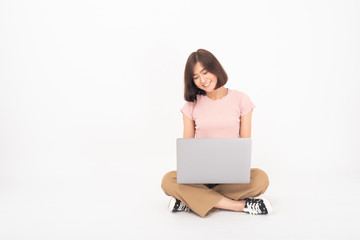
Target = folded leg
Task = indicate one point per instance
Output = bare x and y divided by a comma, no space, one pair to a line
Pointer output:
259,182
198,197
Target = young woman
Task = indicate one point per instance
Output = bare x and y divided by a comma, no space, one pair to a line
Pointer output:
213,111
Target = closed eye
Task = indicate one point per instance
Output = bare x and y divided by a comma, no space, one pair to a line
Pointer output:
203,73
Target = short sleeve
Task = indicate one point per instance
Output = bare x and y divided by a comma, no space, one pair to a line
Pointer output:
246,105
188,109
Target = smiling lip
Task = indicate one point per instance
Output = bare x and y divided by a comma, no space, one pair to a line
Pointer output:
207,85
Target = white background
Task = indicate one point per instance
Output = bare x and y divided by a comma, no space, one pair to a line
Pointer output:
90,98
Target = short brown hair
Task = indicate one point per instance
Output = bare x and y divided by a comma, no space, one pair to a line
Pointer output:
211,64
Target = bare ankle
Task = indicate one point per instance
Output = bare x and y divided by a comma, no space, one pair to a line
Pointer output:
240,205
229,204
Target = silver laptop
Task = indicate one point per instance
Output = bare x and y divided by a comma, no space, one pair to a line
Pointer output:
213,160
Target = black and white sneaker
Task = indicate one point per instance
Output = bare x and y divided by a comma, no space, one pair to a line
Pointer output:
257,205
175,205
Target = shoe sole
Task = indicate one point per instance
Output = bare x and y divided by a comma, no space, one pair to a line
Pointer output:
171,203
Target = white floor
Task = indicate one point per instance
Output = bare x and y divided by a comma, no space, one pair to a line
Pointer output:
109,202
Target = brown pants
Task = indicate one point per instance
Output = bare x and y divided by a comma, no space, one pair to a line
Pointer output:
201,198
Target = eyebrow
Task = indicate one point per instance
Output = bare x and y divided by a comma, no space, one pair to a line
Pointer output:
200,71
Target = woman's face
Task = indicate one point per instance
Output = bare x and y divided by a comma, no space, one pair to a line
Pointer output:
203,79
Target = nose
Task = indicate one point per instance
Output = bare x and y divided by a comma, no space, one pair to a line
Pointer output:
202,79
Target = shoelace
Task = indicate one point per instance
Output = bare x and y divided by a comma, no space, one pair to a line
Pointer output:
180,206
253,207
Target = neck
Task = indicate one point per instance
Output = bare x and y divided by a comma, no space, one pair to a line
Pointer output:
218,93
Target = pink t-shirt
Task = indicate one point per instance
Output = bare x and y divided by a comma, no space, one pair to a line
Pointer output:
218,118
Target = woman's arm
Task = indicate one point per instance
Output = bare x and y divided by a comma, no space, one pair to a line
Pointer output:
245,125
189,127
